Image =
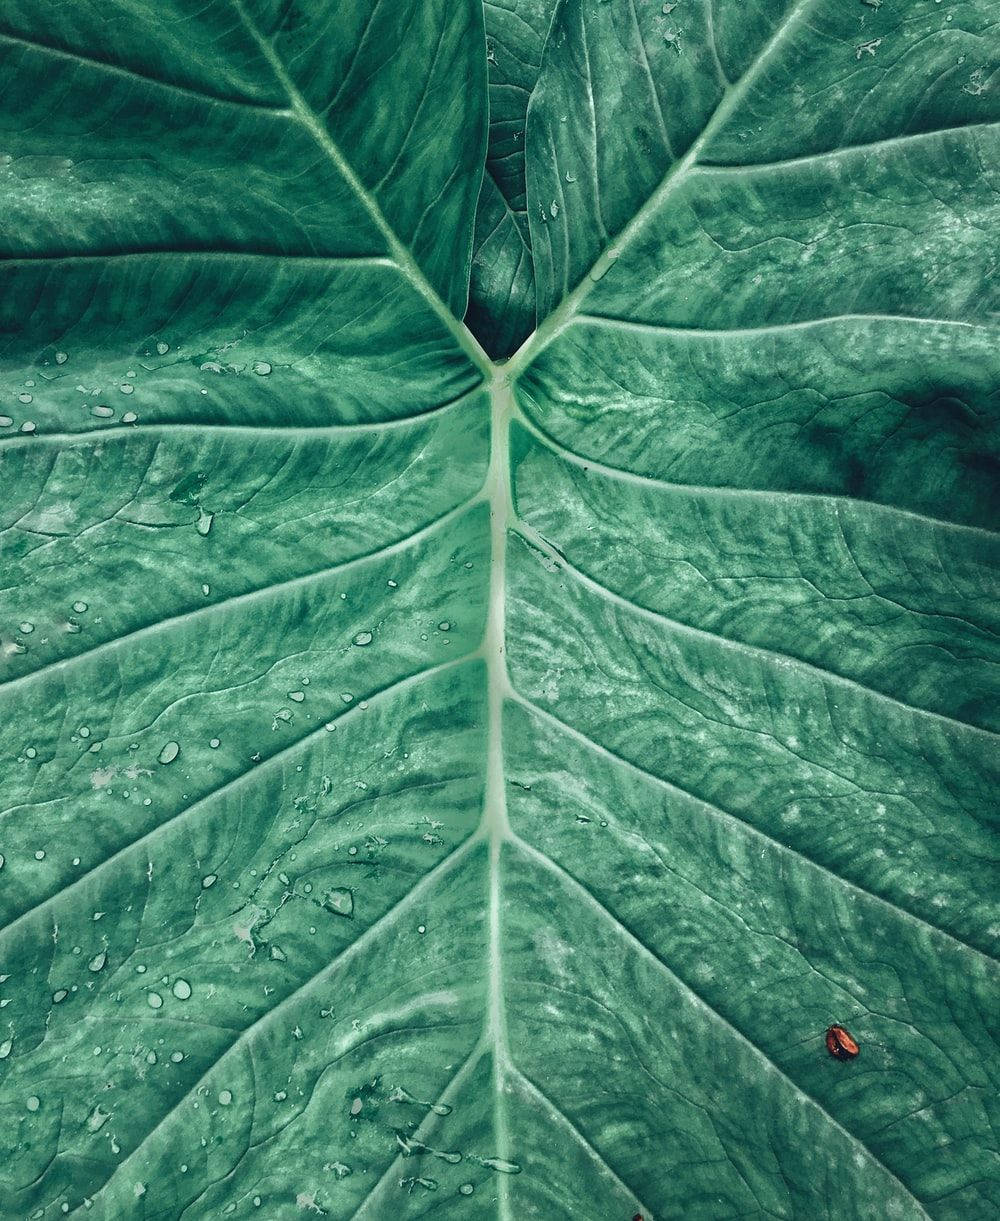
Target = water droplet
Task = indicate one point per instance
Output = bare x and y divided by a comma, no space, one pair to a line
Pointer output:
5,1047
225,1097
603,265
169,752
278,954
466,1189
129,417
26,627
214,743
261,368
297,696
176,1057
154,1000
79,607
182,989
204,523
40,855
346,696
98,961
33,1103
30,753
28,426
105,413
393,584
209,880
444,626
498,1164
97,1119
363,638
61,358
24,397
5,421
126,387
59,996
340,901
356,1106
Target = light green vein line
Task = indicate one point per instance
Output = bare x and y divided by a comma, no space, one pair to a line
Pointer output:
427,882
581,891
62,664
563,314
229,787
757,652
741,824
623,475
400,254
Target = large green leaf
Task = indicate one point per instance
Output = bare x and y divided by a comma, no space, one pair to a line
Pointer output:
439,787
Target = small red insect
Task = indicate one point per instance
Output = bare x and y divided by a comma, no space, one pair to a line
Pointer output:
840,1043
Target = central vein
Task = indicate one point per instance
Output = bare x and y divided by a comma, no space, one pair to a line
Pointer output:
494,825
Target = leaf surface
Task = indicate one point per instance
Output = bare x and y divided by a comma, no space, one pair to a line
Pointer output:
439,786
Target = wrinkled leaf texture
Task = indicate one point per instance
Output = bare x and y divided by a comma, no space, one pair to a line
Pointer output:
444,785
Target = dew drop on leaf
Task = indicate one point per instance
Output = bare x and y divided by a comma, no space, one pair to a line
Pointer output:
340,901
169,752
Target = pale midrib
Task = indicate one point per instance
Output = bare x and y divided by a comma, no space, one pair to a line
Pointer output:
495,824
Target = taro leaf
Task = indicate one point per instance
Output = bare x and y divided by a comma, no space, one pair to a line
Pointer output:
434,787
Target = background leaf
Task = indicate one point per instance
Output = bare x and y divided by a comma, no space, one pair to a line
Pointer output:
502,309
